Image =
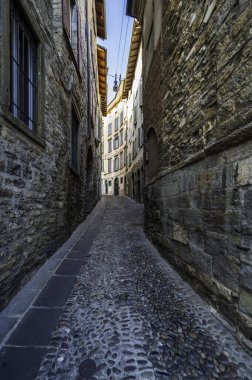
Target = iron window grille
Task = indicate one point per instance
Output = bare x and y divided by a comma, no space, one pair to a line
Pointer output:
24,69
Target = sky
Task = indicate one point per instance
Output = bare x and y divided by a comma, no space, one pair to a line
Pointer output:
116,17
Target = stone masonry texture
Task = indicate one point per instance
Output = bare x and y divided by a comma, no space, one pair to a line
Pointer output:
131,317
41,198
198,209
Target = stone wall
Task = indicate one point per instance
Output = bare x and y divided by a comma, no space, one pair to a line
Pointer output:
41,198
199,208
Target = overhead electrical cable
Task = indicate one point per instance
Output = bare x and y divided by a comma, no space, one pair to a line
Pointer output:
124,45
124,8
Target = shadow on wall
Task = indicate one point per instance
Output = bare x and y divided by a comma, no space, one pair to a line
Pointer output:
152,157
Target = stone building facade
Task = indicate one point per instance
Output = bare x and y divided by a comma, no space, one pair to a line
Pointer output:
49,145
198,148
114,142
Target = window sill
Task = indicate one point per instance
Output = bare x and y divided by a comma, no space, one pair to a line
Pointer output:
19,125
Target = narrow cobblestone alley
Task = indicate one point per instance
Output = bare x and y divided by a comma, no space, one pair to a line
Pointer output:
129,315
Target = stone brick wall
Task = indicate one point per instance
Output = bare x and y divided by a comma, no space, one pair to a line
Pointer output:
198,209
41,198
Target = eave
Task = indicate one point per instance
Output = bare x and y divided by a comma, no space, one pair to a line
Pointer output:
133,56
135,8
100,7
102,73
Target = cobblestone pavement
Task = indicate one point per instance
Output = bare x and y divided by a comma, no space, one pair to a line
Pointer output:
130,316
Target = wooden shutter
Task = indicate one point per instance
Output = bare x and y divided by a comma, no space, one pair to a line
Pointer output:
80,50
66,16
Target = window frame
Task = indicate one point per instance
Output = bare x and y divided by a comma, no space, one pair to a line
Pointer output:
25,72
110,165
116,126
67,28
109,129
110,145
12,121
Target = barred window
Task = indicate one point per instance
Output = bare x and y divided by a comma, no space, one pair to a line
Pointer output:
24,71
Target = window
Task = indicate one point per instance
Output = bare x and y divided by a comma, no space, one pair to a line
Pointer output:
72,27
135,115
110,146
121,160
116,124
110,183
110,165
121,138
116,164
24,71
125,157
75,142
116,142
110,129
121,180
121,119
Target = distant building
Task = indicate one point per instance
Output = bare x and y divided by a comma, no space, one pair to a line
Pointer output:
52,98
123,131
114,151
132,92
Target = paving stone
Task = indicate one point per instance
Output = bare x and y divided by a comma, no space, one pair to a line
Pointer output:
20,363
130,316
69,268
35,328
56,292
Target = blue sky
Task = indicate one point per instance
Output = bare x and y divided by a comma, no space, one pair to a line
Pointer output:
114,10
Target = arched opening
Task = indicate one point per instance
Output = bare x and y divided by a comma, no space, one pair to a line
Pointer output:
116,186
90,164
152,154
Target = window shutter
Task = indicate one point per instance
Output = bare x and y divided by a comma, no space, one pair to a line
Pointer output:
66,16
80,51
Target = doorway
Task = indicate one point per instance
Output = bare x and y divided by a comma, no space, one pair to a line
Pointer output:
116,186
